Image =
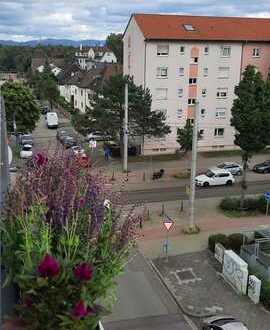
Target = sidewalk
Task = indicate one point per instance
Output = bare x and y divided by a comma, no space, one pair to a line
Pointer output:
208,217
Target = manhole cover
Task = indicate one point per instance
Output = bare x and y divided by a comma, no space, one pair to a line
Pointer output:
185,275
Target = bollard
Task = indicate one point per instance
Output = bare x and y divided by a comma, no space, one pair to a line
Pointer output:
162,211
182,206
113,178
143,176
148,215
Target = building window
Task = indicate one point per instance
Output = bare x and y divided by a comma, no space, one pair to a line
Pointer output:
179,113
192,81
180,92
220,113
191,101
182,50
190,121
225,51
219,132
162,50
204,91
162,72
155,149
194,60
202,113
181,72
201,133
163,111
256,52
161,93
205,72
206,50
222,93
189,27
223,72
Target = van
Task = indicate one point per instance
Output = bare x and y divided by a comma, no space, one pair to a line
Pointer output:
52,120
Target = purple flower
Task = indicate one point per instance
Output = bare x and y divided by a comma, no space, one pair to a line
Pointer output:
40,159
48,267
79,310
83,272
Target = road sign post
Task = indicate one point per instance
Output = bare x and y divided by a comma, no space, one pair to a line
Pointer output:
267,197
167,222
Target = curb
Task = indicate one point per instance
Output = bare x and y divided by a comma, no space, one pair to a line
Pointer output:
178,303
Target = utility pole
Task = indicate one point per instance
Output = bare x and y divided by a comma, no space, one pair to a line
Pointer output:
193,169
125,160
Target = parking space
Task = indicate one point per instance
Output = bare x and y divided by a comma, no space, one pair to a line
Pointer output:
195,280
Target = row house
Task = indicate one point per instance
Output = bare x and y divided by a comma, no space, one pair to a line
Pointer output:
184,59
88,58
77,85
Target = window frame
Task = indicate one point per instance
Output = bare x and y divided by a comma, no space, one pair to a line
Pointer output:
162,54
159,74
221,70
202,115
220,110
179,94
206,52
179,113
221,90
166,97
257,52
181,69
216,130
222,51
191,103
191,81
204,92
182,52
205,72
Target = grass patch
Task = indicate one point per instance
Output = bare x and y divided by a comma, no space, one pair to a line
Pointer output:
229,153
182,175
155,158
239,214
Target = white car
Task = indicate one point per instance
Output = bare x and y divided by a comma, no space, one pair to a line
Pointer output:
215,177
52,120
26,151
234,168
223,322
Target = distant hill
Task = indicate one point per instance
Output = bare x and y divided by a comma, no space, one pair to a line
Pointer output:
54,42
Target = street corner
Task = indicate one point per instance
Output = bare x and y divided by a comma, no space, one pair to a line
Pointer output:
195,281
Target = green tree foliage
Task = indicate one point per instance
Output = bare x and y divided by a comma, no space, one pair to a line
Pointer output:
251,117
115,44
20,105
108,111
184,137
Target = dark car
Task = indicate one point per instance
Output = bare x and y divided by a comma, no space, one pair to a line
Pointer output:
115,150
262,167
26,139
62,133
223,322
68,142
45,109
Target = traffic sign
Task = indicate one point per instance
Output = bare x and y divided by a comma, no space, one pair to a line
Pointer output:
168,222
267,196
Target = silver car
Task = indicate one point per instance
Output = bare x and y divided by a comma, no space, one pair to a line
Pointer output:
223,322
234,168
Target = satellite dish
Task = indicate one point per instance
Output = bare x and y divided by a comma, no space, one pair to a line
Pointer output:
9,155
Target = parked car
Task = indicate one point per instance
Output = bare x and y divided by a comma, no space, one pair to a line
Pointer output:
115,150
78,150
26,151
98,136
222,322
52,119
234,168
45,109
26,139
262,167
215,177
69,142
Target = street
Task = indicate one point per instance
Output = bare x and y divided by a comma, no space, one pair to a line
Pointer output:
143,301
179,192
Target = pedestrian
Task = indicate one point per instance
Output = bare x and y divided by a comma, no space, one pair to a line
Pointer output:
106,153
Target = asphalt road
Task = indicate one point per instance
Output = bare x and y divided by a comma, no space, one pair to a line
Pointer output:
143,302
179,193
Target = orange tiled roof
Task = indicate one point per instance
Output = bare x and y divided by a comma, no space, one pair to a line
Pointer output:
171,27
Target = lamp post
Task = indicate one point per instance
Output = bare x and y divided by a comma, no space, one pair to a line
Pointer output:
125,126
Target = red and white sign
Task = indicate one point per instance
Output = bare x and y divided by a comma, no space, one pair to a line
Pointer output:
167,223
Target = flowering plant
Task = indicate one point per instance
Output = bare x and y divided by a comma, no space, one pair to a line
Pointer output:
69,241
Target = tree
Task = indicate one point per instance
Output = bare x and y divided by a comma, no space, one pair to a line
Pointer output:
251,118
115,44
20,105
107,110
184,137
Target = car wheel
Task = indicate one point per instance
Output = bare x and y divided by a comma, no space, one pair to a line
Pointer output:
229,183
206,184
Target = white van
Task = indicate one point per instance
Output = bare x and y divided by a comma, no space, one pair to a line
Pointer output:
52,120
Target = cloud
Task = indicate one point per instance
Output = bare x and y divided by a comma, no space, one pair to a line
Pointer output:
95,19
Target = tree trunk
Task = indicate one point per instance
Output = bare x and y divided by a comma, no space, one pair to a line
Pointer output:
244,182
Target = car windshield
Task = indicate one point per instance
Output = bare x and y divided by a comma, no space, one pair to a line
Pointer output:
27,148
210,174
221,165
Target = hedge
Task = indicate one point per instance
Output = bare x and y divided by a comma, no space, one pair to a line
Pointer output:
217,238
250,204
231,242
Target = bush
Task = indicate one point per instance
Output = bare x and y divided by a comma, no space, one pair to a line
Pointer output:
217,238
250,204
265,294
235,241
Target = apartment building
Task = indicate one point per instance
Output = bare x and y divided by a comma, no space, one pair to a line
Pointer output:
182,59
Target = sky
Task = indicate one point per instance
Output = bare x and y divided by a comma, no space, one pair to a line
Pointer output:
23,20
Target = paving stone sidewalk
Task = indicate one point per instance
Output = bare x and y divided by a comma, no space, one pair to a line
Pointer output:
195,280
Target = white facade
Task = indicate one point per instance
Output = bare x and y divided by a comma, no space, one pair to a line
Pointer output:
166,68
79,96
108,57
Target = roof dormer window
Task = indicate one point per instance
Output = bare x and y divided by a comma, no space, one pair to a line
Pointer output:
189,27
